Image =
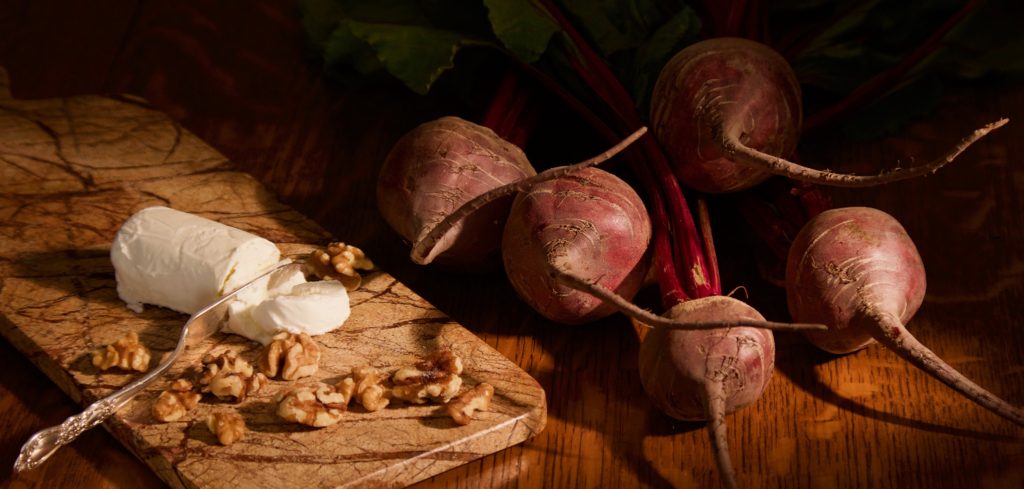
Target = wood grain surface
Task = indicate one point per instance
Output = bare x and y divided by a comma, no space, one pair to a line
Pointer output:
72,170
240,81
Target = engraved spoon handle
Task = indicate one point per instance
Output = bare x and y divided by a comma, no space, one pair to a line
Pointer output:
202,324
42,444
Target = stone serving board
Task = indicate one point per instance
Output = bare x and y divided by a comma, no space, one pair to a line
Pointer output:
73,169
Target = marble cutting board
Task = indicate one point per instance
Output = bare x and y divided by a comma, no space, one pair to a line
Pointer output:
73,169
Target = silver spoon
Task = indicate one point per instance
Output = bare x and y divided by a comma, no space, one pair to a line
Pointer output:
203,324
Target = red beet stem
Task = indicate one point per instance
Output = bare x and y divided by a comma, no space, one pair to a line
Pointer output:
689,258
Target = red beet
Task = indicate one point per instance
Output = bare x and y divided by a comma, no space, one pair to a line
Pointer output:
437,167
591,224
856,270
704,375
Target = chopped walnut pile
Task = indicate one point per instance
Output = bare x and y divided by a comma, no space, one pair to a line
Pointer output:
436,378
476,399
126,353
368,389
293,356
228,426
316,404
174,402
339,262
229,376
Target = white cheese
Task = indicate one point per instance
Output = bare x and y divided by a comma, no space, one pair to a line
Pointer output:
313,307
286,302
183,262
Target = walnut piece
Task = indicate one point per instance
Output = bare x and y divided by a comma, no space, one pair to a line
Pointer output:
368,389
316,405
174,402
436,378
126,353
347,388
228,426
293,356
476,399
339,262
229,376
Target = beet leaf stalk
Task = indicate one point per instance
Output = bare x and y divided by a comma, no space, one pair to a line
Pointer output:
689,256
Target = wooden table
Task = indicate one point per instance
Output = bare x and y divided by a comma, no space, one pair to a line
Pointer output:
238,79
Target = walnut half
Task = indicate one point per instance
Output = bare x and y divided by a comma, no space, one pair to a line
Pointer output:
229,376
174,402
339,262
436,378
293,356
316,405
476,399
368,389
126,353
227,426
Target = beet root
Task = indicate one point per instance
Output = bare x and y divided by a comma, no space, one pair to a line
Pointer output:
437,167
728,113
759,97
856,270
590,223
704,375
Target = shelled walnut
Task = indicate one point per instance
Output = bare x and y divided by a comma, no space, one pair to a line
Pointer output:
339,261
368,388
436,378
125,353
227,426
347,388
316,405
293,356
229,376
476,399
174,402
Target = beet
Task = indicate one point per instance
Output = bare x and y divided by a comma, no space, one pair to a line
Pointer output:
856,270
704,375
437,167
760,101
591,224
727,111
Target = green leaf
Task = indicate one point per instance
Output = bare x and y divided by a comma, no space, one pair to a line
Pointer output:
521,27
679,31
344,48
416,55
319,19
850,22
616,25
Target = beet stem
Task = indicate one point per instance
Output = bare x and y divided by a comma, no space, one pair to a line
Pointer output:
689,258
500,105
890,332
655,321
714,405
729,143
671,288
714,278
425,250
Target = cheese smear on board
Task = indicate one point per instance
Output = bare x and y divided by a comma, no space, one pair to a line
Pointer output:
177,260
285,301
